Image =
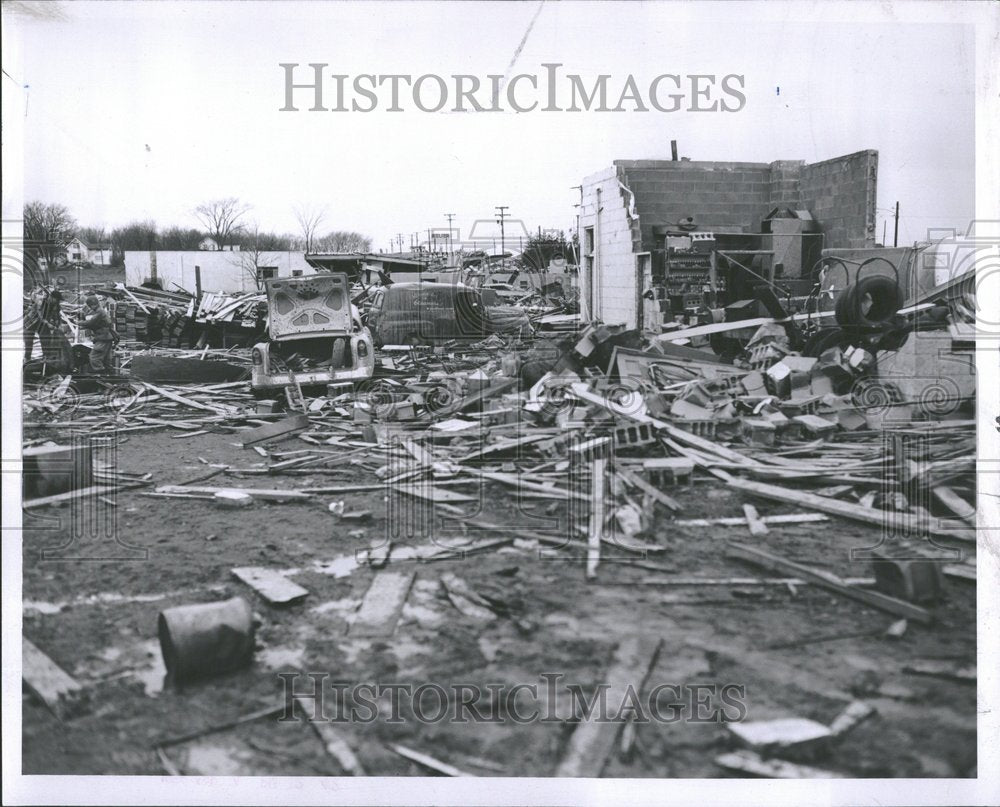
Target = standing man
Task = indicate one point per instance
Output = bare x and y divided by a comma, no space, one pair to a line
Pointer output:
103,333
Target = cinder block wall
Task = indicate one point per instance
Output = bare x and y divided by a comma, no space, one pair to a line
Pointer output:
613,299
728,197
841,193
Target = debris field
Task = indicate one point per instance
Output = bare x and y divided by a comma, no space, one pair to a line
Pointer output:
582,501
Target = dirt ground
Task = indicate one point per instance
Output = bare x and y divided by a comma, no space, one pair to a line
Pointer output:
95,615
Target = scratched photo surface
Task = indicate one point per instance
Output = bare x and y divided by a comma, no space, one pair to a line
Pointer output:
493,390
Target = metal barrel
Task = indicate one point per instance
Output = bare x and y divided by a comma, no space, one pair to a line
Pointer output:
206,638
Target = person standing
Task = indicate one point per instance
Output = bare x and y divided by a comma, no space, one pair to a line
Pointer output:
98,322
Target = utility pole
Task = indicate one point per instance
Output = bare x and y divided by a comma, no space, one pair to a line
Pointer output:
449,216
895,229
502,213
399,237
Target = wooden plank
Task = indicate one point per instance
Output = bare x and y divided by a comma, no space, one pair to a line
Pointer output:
754,522
271,585
173,396
434,494
592,741
519,481
382,604
736,521
465,599
596,527
272,431
267,494
753,764
68,496
428,761
637,481
866,515
725,327
335,745
54,686
830,581
477,398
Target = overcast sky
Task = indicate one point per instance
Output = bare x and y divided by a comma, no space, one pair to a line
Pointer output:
144,110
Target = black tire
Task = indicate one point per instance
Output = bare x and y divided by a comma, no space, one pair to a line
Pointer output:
824,339
885,295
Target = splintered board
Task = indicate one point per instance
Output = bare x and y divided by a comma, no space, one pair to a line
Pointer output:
272,431
592,740
271,585
382,604
53,685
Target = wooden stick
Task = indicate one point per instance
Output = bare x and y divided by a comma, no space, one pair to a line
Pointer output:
237,721
428,761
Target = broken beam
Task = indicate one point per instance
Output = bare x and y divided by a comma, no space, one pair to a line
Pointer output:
829,581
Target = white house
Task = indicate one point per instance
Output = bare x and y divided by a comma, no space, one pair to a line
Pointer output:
209,244
79,251
219,270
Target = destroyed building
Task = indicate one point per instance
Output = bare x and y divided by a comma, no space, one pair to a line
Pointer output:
651,230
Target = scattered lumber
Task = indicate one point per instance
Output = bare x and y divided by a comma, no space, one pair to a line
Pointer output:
638,482
272,431
465,599
753,764
855,512
56,688
592,742
830,581
335,745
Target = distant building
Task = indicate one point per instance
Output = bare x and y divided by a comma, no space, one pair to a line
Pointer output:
79,251
220,270
636,214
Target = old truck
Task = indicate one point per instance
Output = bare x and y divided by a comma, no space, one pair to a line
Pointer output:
426,313
315,336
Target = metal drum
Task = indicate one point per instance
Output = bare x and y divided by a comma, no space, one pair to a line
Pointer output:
206,639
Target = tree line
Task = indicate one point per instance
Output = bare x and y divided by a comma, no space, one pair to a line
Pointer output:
48,227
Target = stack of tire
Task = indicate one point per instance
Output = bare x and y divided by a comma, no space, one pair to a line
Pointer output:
867,304
885,299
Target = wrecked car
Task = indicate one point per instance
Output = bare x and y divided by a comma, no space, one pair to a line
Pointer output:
425,313
315,335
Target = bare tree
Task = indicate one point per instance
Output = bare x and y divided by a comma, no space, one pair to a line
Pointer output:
255,252
344,241
93,236
221,218
309,219
47,228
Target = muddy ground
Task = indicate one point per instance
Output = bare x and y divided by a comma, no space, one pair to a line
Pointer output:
96,617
